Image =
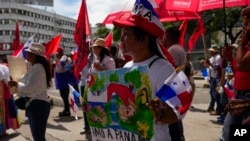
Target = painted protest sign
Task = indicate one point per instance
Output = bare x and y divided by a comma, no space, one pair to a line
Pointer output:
116,105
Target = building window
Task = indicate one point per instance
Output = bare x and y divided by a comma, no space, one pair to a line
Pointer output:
7,32
6,21
1,32
13,11
6,10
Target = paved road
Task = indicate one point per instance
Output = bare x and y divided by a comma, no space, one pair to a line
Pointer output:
198,125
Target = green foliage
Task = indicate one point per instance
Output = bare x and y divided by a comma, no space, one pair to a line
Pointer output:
114,77
116,34
99,83
102,32
134,78
214,22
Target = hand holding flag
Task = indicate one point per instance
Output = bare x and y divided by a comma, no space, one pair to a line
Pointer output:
177,93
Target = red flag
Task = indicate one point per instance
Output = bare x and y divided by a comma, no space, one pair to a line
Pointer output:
53,44
109,39
200,29
82,29
16,41
183,28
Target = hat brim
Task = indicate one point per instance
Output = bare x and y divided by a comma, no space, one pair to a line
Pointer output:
99,46
213,50
28,50
123,23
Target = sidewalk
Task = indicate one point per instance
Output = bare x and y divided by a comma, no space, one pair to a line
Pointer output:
198,124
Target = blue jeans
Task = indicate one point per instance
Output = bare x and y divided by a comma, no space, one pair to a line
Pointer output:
215,96
38,112
237,120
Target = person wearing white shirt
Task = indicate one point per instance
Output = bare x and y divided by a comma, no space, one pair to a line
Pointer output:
34,84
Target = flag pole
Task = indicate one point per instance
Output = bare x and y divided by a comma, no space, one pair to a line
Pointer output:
204,45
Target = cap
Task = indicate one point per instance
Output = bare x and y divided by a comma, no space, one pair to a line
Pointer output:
37,49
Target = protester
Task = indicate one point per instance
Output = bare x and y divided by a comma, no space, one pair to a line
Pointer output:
213,63
83,80
63,77
139,40
8,110
102,59
171,42
225,57
241,78
34,84
99,60
114,52
189,71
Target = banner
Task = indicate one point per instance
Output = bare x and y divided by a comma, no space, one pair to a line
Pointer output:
116,103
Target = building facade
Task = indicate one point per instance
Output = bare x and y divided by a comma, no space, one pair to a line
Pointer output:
41,24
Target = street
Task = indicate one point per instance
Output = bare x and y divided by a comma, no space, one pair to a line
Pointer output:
198,124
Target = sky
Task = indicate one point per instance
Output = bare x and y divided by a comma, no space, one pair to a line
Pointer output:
97,9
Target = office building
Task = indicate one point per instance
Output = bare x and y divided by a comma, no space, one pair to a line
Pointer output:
43,24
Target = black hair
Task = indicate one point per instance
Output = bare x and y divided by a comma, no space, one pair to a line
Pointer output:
152,45
46,65
104,51
173,34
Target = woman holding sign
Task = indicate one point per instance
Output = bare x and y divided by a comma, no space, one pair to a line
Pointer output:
139,40
34,85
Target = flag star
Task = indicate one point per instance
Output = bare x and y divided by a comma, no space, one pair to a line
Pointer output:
174,83
184,83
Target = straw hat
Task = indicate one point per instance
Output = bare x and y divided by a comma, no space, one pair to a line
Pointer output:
37,49
100,42
235,45
214,48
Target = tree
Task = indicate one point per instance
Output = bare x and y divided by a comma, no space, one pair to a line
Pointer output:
102,32
214,22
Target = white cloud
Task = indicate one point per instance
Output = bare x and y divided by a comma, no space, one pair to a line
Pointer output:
97,9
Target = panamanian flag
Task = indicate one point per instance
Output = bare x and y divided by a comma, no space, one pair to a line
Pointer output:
74,100
22,53
228,88
176,92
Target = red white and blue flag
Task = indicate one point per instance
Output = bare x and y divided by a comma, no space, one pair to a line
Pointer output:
22,53
74,100
74,54
176,92
228,88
